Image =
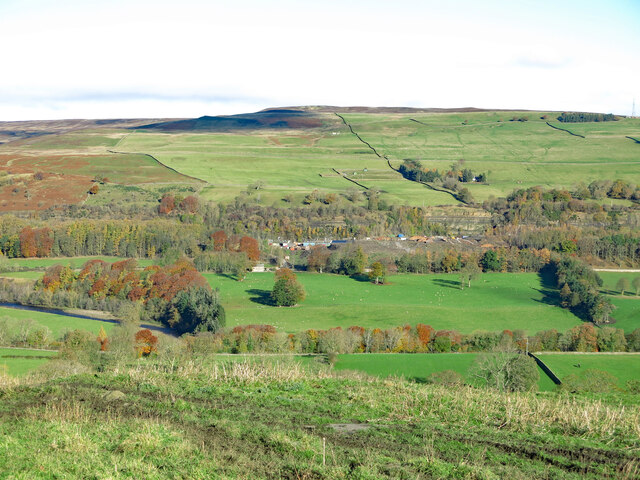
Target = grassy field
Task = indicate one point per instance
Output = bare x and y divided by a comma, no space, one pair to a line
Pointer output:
418,366
58,324
270,420
414,366
514,154
73,262
16,362
627,311
622,366
28,275
494,302
295,161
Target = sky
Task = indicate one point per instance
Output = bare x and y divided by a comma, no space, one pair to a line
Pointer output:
188,58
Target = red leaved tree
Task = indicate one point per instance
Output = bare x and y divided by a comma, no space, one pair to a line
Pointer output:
28,246
167,205
250,246
146,343
219,240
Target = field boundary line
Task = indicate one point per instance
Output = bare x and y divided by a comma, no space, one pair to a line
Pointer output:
385,157
554,378
565,130
344,175
159,163
457,126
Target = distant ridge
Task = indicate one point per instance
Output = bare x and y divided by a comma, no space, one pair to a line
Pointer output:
270,118
357,109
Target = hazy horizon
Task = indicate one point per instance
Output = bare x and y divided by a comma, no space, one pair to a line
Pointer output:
74,59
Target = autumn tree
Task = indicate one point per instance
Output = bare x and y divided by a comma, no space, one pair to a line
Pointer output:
44,241
146,343
167,205
190,204
219,240
250,246
318,258
28,246
103,340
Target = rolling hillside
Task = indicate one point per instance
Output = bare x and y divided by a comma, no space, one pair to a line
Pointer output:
284,154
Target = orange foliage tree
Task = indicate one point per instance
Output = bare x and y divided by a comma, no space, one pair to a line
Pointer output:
250,246
190,204
146,343
219,240
103,340
28,246
167,205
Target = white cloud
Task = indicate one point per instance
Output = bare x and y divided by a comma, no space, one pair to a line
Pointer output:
141,58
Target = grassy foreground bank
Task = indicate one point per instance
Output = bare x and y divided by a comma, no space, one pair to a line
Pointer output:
201,419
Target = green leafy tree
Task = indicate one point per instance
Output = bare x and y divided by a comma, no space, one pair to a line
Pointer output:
287,291
491,262
198,310
464,195
636,285
470,271
377,273
622,285
353,263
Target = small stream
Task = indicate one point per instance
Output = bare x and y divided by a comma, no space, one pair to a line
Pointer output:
62,313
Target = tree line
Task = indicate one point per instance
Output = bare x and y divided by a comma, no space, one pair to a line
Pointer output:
176,295
580,117
420,338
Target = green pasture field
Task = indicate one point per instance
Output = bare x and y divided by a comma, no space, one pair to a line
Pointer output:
292,162
494,302
627,311
58,324
418,366
28,275
28,360
73,262
610,279
622,366
514,154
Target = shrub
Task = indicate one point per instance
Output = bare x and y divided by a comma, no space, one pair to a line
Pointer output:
589,381
506,371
